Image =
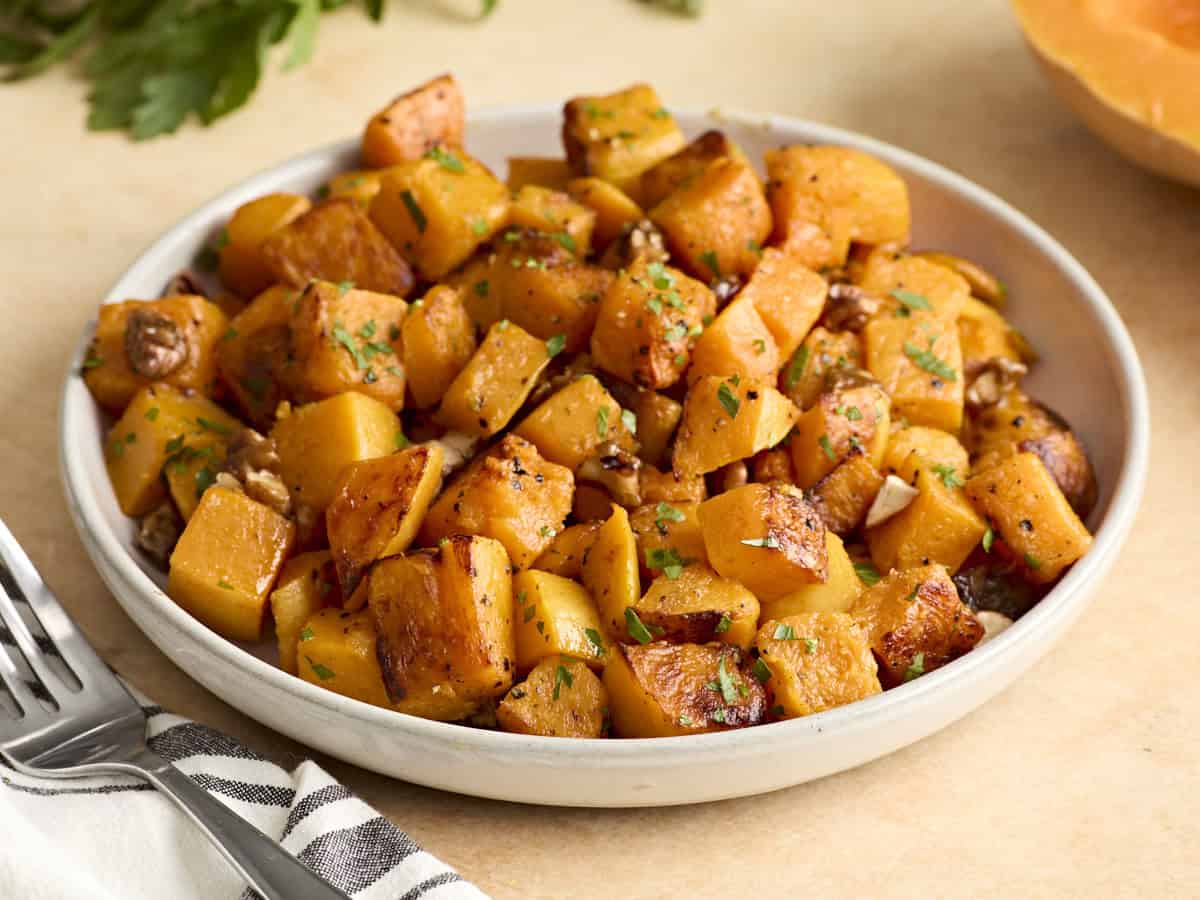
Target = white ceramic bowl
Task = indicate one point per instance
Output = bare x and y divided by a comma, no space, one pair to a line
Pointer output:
1090,373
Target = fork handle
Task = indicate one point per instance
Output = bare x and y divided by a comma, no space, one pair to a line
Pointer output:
262,861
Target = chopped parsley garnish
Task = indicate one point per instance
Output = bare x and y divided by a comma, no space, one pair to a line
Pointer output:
796,367
723,624
547,531
322,672
1032,561
853,413
502,325
667,560
480,227
596,641
665,512
728,685
709,258
152,414
447,161
92,361
205,478
346,340
676,332
948,475
916,668
867,573
729,400
229,335
659,276
530,612
685,720
784,632
368,330
344,287
565,240
481,288
754,246
910,301
562,675
826,447
761,671
760,346
629,420
414,210
915,591
636,629
770,542
660,113
655,306
307,634
810,644
224,585
401,440
555,345
209,425
989,538
929,361
602,422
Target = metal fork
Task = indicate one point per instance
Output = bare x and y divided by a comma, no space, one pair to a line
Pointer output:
70,717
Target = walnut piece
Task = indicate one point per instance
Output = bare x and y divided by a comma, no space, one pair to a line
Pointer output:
849,308
253,462
637,240
158,532
726,287
992,379
184,282
616,470
730,476
269,490
895,495
154,344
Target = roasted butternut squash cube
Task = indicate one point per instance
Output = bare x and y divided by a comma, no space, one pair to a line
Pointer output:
555,616
817,661
667,531
377,507
474,285
680,168
337,651
545,171
306,585
619,136
610,572
657,417
335,241
345,339
773,465
161,426
509,493
648,321
788,296
415,123
914,288
554,213
765,536
565,554
1027,508
839,423
823,351
437,211
914,448
738,342
316,441
919,364
493,385
438,337
662,690
357,185
445,623
938,526
194,325
843,496
240,261
697,607
573,422
560,698
226,562
254,355
984,334
915,623
727,419
836,593
614,209
670,486
591,503
823,197
191,469
715,224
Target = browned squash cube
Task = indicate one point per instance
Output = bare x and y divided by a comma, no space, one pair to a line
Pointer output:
473,281
345,339
337,650
253,355
493,385
803,378
648,321
545,171
555,616
619,136
919,363
124,356
241,263
984,335
437,211
916,447
716,223
667,531
915,623
789,297
358,185
554,213
728,419
572,423
670,486
836,593
659,181
509,493
306,585
765,536
560,698
614,209
377,507
696,607
565,554
738,342
226,562
438,337
610,572
773,465
161,426
415,123
192,469
1027,508
315,442
843,497
839,423
445,623
912,287
662,690
816,661
938,526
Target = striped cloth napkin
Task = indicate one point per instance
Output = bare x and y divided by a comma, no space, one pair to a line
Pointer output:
118,839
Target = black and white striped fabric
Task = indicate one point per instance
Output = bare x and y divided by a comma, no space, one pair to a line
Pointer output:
117,839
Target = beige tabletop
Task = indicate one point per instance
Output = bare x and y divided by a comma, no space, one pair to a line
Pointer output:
1082,780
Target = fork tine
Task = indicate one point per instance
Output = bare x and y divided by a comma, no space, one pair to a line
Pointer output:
14,681
23,638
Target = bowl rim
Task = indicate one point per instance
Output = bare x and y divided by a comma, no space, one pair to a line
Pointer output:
863,715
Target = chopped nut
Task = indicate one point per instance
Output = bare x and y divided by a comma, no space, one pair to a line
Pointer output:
250,451
637,240
458,448
731,476
229,482
726,287
893,497
992,379
993,623
268,489
154,344
848,308
158,532
616,470
184,282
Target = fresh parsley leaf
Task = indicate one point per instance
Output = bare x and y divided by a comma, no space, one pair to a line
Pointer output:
152,413
215,427
989,538
307,634
321,671
449,162
784,632
414,210
761,671
916,668
636,629
555,345
796,367
667,560
723,624
596,641
867,573
665,512
224,585
1033,562
929,361
629,420
826,447
481,288
729,400
911,301
602,422
728,685
810,645
770,542
709,258
565,240
948,475
562,675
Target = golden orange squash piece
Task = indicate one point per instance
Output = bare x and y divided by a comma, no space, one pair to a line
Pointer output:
561,697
